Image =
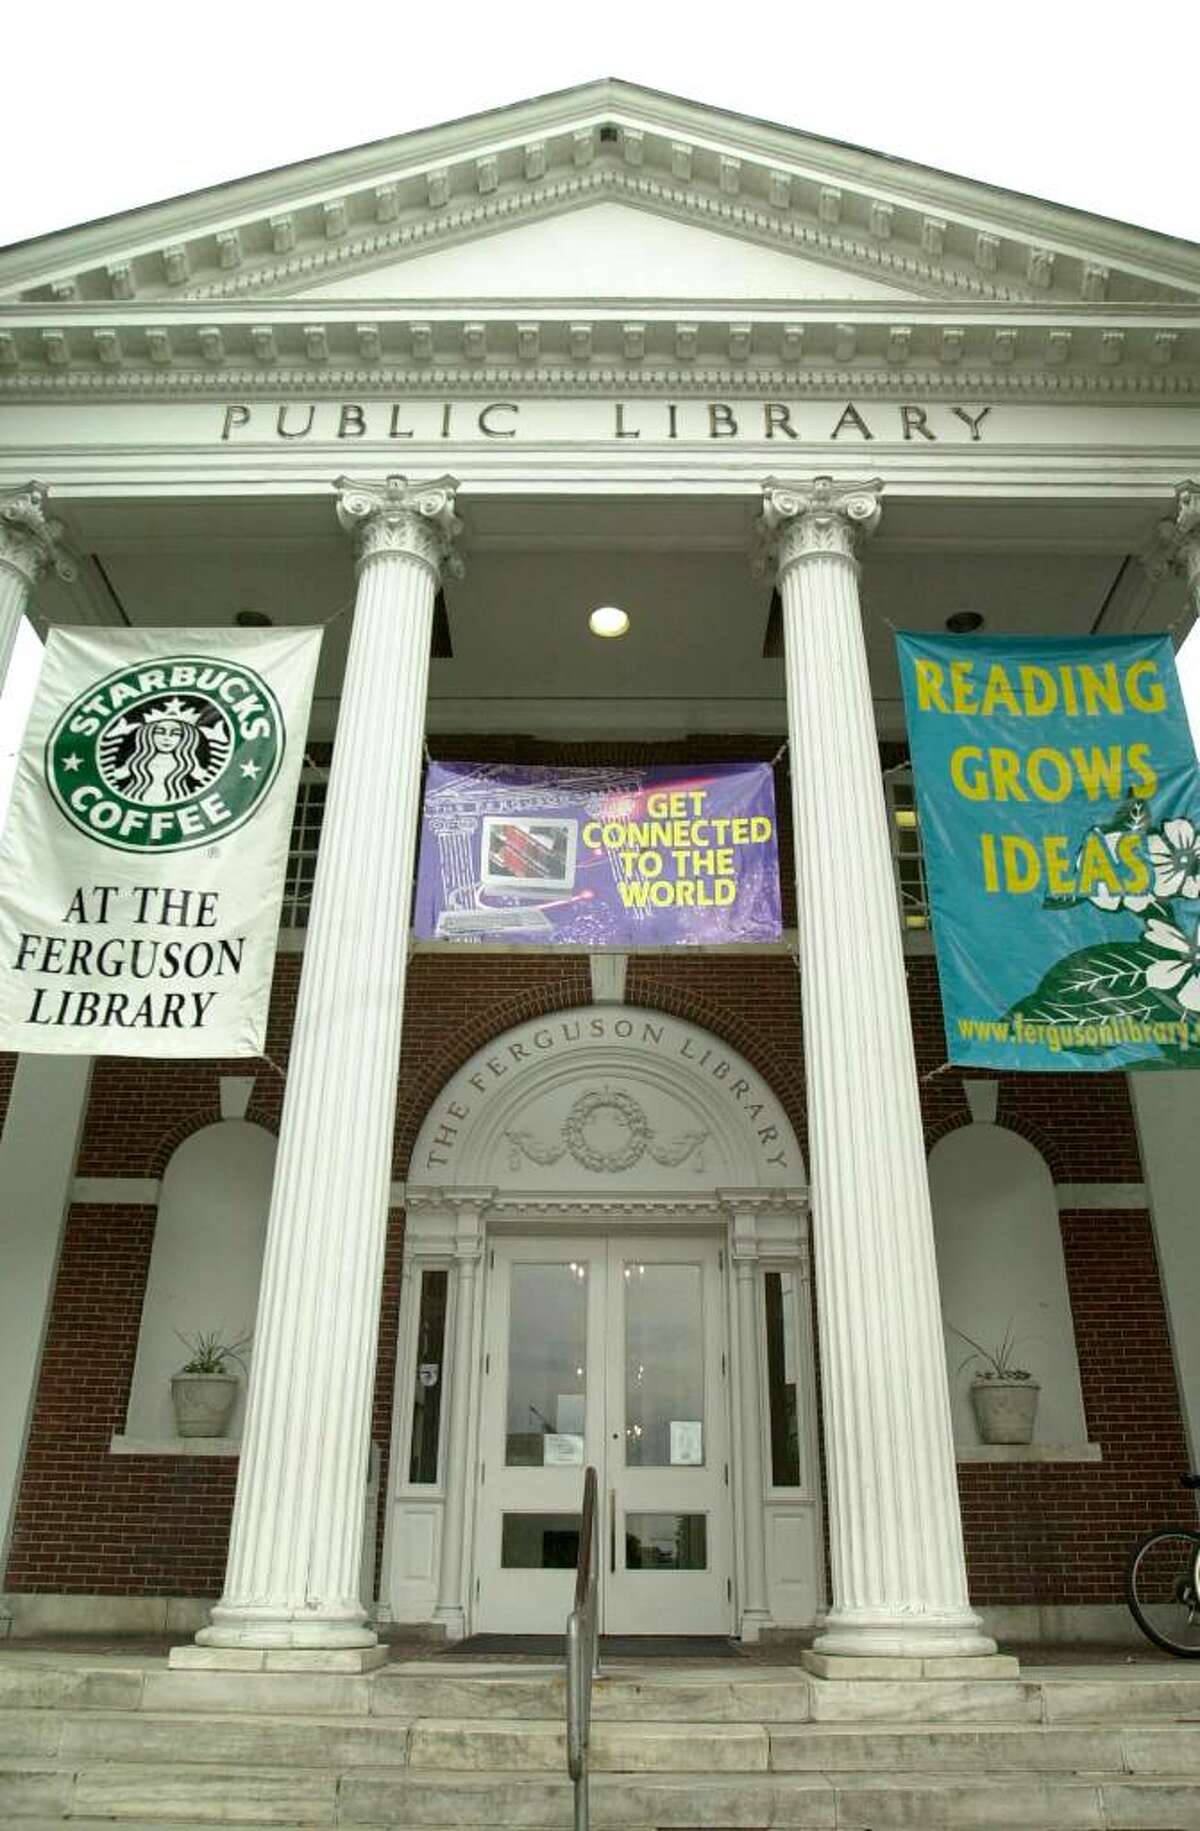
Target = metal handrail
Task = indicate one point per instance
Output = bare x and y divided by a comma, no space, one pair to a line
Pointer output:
583,1657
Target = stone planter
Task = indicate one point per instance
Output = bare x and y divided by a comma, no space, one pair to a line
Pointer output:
1005,1409
203,1402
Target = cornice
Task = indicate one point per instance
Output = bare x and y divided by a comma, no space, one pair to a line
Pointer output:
293,350
916,229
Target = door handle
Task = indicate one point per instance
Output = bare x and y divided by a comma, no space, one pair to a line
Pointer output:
612,1529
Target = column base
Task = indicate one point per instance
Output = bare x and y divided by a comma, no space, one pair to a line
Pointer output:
923,1635
849,1665
278,1629
276,1659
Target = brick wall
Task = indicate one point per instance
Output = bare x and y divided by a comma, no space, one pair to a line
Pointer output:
8,1068
1062,1532
92,1522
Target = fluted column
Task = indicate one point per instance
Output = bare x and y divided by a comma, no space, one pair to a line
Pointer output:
898,1575
295,1549
30,546
744,1253
468,1246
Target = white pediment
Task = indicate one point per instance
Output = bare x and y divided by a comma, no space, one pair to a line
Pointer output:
605,251
740,206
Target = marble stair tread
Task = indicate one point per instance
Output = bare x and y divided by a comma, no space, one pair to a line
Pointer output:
637,1695
121,1790
118,1794
265,1741
471,1745
975,1749
933,1802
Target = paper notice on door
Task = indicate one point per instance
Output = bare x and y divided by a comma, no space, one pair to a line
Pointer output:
687,1442
561,1450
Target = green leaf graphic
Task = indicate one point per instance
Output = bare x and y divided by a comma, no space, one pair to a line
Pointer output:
1098,983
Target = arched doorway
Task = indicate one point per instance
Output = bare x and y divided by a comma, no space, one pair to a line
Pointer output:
606,1262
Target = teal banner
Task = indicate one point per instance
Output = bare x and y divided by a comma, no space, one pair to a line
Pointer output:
1058,795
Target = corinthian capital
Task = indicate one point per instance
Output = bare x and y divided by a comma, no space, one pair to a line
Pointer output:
31,540
1177,548
397,516
800,520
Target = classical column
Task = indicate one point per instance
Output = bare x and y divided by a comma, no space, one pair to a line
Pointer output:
294,1554
30,546
898,1575
468,1247
743,1249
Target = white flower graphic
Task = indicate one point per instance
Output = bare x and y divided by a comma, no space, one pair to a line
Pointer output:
1179,972
1175,855
1102,896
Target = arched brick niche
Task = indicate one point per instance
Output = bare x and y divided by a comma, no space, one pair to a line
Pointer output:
205,1264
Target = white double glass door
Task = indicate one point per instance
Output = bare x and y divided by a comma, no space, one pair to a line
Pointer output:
607,1350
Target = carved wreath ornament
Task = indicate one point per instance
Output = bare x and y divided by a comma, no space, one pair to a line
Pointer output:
594,1147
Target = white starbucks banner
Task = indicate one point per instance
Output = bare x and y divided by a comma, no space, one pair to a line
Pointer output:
142,864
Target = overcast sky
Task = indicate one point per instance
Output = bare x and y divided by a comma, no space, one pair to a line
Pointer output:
108,107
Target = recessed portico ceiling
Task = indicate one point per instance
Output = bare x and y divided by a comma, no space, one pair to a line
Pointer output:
693,660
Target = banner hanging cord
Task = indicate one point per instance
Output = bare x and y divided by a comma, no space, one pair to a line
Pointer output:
272,1063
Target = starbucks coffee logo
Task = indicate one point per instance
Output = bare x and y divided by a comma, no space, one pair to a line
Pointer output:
166,755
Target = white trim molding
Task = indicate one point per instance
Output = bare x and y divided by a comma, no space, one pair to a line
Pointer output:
1070,1196
117,1191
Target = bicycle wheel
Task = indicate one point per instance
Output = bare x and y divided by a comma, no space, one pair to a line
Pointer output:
1161,1590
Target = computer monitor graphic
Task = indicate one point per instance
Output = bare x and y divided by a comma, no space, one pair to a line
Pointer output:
526,857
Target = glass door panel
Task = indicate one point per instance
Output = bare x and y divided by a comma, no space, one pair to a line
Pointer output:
664,1364
669,1548
541,1424
547,1365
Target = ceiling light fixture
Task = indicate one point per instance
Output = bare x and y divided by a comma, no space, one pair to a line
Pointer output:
607,620
252,619
964,622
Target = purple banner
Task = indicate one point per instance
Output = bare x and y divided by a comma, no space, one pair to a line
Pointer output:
605,857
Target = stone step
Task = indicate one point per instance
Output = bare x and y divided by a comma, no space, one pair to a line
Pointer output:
1168,1748
148,1736
769,1695
618,1748
142,1790
405,1692
776,1694
980,1802
137,1797
191,1824
529,1745
1118,1700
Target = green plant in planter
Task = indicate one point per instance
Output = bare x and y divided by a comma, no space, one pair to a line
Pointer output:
1004,1396
996,1363
209,1352
204,1390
